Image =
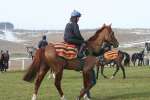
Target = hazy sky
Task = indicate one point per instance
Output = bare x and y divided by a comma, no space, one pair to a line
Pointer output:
54,14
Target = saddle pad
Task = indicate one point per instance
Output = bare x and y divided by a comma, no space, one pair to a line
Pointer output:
66,50
110,55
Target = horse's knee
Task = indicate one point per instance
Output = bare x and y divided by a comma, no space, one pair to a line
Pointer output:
85,70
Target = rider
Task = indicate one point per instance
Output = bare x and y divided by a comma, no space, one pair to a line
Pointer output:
72,33
105,47
43,42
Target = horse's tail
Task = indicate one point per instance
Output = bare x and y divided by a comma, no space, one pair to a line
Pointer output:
35,65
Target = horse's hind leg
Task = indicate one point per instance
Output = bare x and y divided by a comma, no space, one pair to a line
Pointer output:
102,71
43,70
58,78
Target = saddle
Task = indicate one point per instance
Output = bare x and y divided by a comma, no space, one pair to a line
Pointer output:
66,50
110,55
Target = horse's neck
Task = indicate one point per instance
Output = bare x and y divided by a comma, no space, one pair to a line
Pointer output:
95,45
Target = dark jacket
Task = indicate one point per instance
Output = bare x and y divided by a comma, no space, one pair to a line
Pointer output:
72,34
42,44
107,47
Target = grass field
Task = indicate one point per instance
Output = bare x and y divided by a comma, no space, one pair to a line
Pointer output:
135,87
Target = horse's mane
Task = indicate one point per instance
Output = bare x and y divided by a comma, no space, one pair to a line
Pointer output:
96,34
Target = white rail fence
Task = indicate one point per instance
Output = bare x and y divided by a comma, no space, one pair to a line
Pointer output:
19,63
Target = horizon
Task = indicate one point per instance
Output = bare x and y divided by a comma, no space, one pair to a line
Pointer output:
80,29
83,28
53,15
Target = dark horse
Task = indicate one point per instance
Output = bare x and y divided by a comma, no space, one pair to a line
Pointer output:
46,58
138,56
4,61
1,62
127,59
117,61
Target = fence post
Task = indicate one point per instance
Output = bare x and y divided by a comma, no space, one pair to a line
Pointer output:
23,64
9,64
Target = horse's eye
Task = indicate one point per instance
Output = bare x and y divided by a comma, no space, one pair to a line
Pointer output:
112,33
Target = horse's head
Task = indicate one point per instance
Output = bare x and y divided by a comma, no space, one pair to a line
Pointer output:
103,35
109,36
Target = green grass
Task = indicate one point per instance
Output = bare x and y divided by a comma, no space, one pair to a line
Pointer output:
135,87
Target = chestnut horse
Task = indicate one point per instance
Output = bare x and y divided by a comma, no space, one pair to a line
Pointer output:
117,61
46,58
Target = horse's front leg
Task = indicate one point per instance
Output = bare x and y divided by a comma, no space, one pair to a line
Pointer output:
117,69
97,73
89,81
89,77
43,70
102,71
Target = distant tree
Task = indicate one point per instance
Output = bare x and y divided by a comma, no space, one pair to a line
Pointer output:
6,25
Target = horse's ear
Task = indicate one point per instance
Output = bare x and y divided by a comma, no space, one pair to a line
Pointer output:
104,25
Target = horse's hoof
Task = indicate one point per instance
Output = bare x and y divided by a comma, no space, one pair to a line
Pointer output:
124,77
34,97
77,98
105,77
112,77
63,98
85,97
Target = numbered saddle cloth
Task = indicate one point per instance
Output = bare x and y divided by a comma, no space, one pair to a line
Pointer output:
66,50
110,55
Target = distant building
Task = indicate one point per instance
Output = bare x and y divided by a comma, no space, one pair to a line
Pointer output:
6,26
